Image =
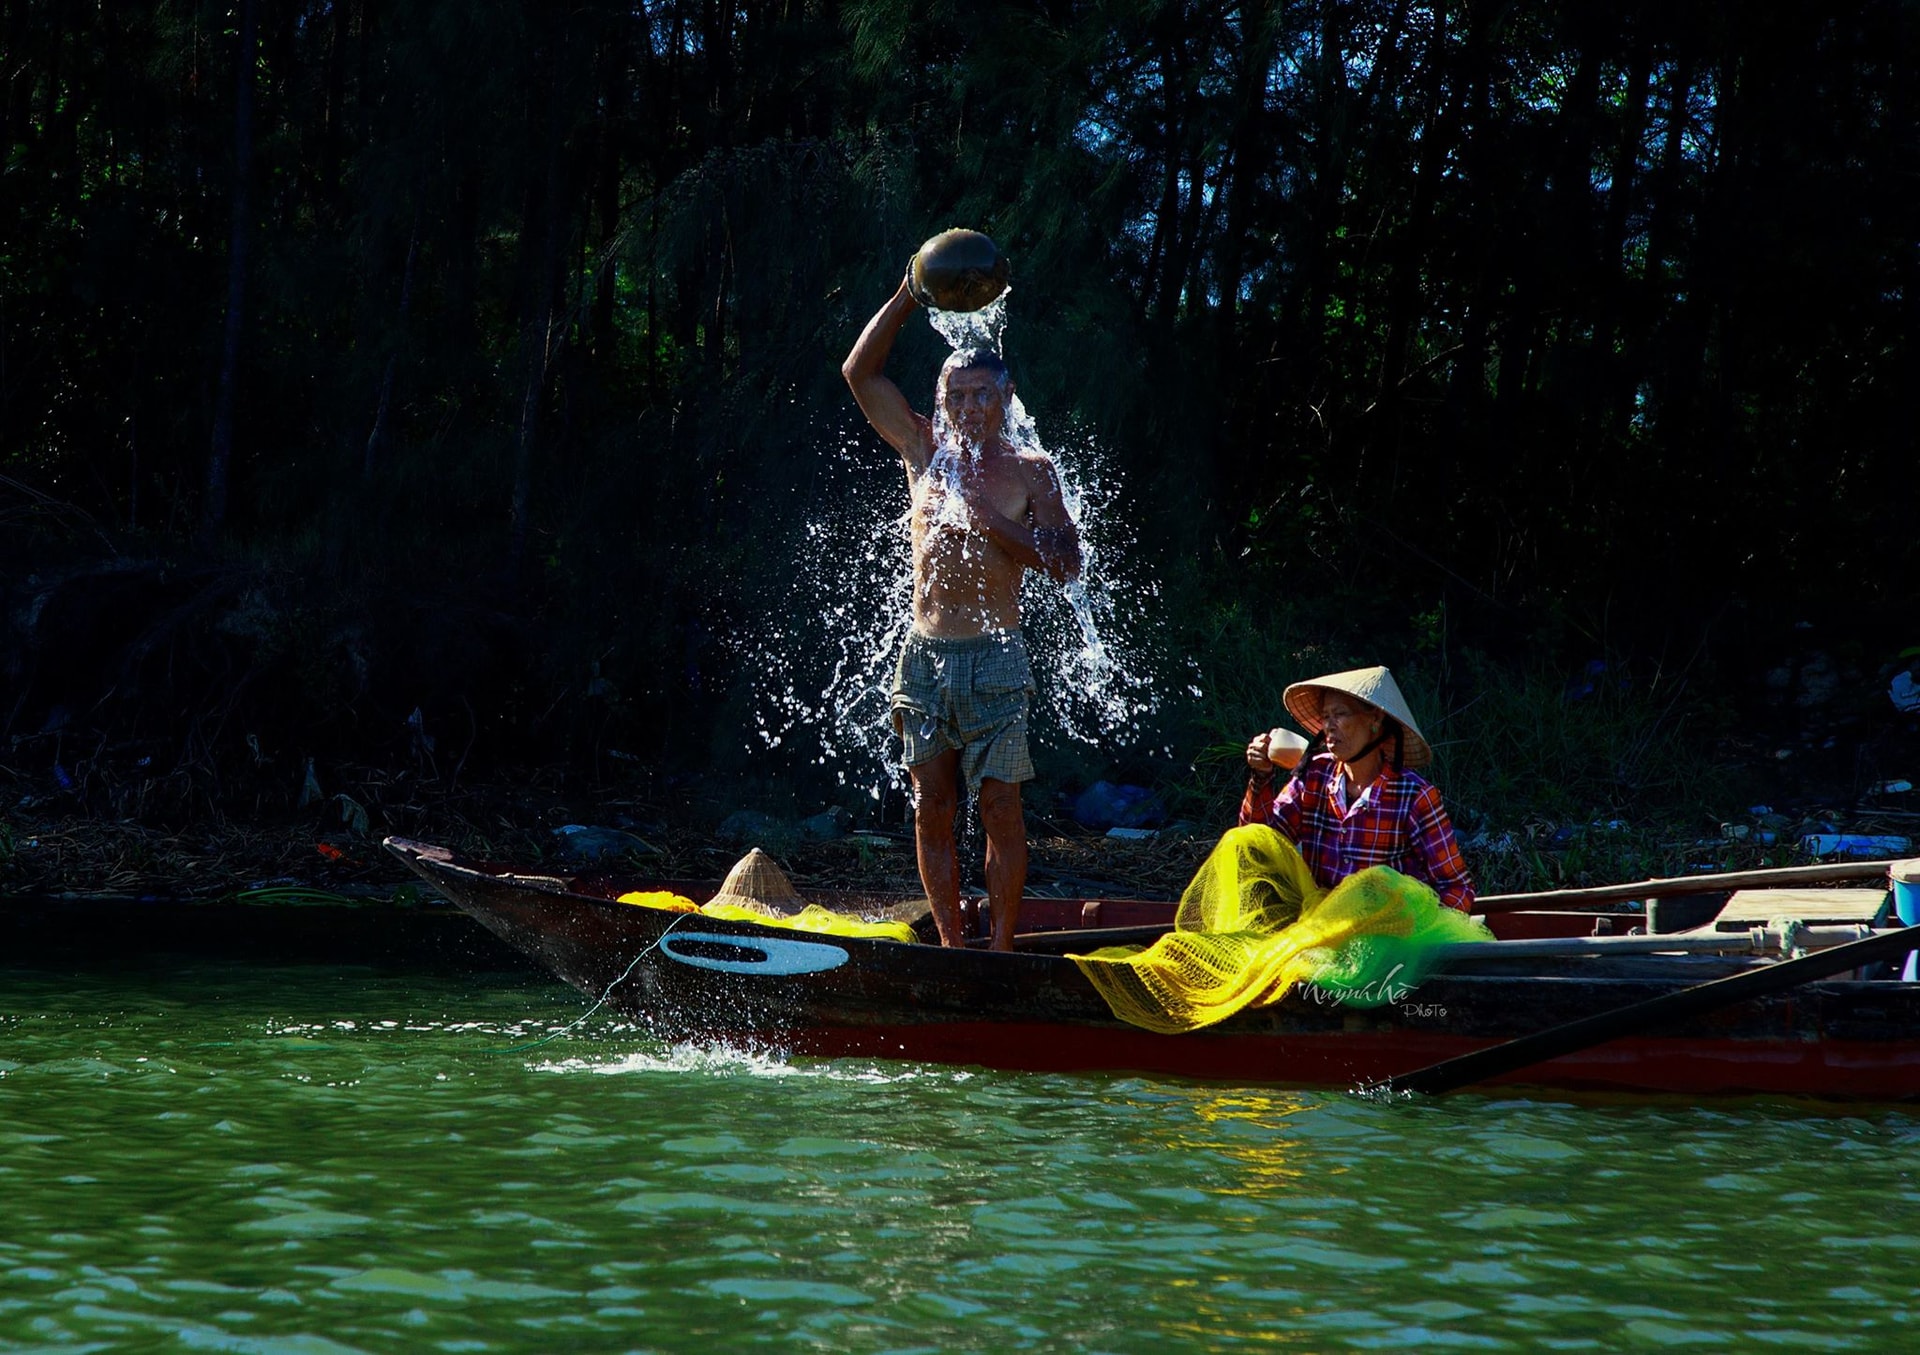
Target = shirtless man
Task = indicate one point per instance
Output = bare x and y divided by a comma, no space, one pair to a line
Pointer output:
983,514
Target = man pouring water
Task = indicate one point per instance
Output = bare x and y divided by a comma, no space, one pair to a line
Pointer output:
983,513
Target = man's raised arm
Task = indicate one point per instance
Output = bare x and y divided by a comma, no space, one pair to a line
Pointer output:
879,399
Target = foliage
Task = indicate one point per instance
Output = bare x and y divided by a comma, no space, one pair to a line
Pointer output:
1519,749
1573,325
1600,745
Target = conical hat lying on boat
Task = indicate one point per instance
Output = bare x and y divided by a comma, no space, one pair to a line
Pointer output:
756,881
1376,687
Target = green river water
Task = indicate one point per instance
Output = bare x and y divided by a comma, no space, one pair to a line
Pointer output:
220,1156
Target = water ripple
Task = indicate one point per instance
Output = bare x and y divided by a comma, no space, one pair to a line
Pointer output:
304,1161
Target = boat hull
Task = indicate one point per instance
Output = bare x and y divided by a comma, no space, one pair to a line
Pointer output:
688,977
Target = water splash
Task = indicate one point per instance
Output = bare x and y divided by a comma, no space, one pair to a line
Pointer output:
821,664
823,671
984,328
721,1059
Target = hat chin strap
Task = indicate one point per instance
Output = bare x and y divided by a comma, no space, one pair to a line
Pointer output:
1399,745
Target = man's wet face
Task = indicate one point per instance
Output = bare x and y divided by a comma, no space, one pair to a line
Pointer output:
975,403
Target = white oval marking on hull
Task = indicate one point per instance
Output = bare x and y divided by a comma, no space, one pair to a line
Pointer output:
754,954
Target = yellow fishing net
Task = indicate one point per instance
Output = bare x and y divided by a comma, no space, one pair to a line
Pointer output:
812,918
1253,923
661,898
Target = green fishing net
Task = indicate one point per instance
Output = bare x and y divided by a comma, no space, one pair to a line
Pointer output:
1253,924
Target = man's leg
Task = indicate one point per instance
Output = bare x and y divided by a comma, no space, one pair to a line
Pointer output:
1006,855
935,799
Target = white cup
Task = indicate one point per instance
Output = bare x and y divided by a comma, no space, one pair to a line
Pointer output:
1285,747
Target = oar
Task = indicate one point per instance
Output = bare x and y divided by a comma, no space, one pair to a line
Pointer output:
1772,877
1451,1074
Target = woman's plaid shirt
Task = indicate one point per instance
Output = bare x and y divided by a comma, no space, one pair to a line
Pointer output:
1398,821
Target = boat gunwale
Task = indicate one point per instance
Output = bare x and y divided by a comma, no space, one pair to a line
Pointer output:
1688,969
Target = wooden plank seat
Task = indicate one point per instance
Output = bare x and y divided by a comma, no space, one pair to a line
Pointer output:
1815,907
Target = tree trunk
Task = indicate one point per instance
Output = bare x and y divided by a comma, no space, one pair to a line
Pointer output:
1445,113
606,193
539,333
1189,160
1166,219
214,511
1246,156
376,438
1610,270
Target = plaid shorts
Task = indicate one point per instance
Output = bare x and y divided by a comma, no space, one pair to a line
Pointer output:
970,694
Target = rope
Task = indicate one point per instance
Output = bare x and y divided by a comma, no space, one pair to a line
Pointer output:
582,1019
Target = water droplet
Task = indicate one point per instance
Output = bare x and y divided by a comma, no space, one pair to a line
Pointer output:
839,612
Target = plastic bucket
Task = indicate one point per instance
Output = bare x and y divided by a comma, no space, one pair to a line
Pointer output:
1906,906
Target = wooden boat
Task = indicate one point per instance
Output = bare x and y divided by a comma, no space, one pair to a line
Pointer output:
687,976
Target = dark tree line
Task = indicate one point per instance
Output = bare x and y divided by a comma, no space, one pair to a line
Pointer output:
514,310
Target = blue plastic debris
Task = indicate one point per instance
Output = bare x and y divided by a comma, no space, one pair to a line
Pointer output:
1854,844
585,843
1107,805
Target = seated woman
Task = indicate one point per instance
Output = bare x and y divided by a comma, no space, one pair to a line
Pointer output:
1348,878
1358,803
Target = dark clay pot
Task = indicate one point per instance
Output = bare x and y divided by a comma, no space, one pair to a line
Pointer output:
957,270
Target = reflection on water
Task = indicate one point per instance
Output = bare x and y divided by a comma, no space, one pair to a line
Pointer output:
1251,1127
313,1159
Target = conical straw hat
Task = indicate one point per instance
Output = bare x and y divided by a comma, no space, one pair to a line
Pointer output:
757,881
1376,687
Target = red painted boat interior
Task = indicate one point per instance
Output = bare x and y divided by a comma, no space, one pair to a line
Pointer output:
1532,926
1058,915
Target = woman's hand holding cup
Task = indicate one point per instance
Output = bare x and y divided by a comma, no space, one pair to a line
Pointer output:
1276,748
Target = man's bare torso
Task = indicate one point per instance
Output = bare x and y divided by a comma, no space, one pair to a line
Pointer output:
963,582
